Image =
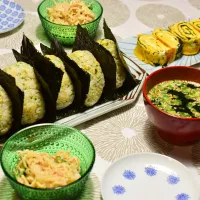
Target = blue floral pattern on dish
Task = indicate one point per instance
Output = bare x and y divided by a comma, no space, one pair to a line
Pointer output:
2,7
16,20
11,25
173,180
18,7
128,174
118,189
10,18
8,11
12,15
182,196
3,16
15,13
4,23
150,171
6,2
12,4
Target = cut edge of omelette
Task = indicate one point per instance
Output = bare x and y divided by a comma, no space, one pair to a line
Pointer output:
171,41
196,24
152,51
189,36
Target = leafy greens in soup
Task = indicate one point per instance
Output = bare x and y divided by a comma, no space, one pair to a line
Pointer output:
177,97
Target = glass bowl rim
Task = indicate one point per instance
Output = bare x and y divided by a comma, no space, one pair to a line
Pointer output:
48,189
73,26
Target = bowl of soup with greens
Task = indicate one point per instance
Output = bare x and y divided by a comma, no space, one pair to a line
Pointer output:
172,101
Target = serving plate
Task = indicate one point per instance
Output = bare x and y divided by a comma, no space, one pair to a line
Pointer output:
129,44
101,109
148,176
11,15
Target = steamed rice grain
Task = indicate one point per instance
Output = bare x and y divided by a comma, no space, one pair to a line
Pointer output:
24,75
33,106
120,71
5,112
66,94
88,63
33,109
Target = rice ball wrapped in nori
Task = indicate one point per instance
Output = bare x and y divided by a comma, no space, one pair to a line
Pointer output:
88,63
34,105
66,94
120,70
6,118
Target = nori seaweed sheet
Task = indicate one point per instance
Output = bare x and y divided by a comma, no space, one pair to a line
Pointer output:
16,96
51,74
84,42
130,81
80,78
50,104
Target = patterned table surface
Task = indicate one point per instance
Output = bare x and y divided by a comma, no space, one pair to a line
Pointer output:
127,130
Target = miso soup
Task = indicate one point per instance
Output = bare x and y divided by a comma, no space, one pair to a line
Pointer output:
177,97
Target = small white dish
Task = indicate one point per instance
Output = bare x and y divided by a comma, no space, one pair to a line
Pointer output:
11,15
148,176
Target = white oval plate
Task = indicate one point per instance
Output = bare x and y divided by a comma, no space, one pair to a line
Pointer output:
11,15
148,176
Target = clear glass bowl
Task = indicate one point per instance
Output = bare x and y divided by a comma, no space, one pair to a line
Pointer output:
66,34
48,138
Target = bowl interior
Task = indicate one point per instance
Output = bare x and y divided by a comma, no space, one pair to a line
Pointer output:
171,73
48,138
94,6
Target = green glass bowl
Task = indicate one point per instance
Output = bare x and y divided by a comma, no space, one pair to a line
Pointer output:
48,138
66,34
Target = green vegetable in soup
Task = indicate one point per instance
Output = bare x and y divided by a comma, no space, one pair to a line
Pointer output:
177,97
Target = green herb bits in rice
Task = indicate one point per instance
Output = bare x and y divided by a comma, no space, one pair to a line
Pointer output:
33,109
24,75
88,63
5,112
33,106
120,70
66,94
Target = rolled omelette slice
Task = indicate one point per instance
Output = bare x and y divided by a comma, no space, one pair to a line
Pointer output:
171,41
120,71
151,51
87,62
34,105
66,94
196,24
189,36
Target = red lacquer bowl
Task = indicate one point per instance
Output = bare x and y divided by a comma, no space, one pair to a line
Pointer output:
175,130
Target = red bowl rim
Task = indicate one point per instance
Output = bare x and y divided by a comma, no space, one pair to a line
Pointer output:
144,91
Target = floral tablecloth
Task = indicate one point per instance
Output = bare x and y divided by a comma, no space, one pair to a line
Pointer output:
127,130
